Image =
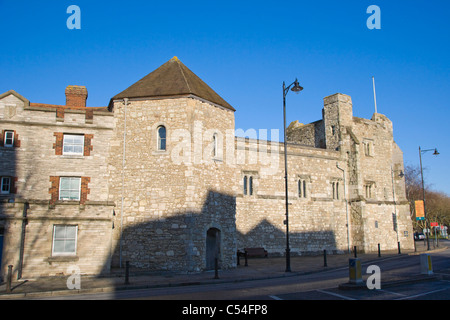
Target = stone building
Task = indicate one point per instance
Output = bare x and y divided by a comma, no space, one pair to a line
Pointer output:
158,178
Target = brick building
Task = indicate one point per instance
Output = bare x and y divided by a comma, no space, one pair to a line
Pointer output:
158,178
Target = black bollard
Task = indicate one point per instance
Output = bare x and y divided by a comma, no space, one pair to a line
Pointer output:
354,249
216,268
246,259
325,258
399,250
127,272
379,250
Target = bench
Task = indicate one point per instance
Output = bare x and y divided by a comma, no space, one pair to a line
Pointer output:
251,252
256,252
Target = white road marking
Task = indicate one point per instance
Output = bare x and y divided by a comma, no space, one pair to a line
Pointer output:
335,294
421,294
275,298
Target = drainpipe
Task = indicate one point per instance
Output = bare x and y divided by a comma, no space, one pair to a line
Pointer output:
125,101
22,239
346,207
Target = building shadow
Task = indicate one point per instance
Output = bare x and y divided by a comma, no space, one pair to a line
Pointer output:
273,239
187,241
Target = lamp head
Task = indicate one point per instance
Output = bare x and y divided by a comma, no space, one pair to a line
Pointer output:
435,152
296,88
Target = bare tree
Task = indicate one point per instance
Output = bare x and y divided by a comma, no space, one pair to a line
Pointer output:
437,203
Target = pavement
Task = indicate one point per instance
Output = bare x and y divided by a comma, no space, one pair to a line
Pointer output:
257,269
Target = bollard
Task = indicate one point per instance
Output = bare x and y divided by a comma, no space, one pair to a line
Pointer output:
127,272
399,250
354,250
238,260
246,259
8,279
426,266
379,250
354,268
216,268
325,258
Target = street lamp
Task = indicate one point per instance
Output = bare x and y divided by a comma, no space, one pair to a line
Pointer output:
296,88
423,190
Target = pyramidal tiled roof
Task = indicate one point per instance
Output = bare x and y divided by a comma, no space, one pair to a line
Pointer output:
172,79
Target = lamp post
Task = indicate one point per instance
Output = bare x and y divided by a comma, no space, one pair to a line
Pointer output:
296,88
423,190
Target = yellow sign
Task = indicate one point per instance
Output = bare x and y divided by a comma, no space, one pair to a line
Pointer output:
420,212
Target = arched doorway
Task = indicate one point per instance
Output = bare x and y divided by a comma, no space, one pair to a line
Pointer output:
212,247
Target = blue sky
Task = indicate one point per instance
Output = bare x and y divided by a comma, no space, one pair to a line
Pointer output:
245,50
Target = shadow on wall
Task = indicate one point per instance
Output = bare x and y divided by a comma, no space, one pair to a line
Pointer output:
266,235
184,242
190,241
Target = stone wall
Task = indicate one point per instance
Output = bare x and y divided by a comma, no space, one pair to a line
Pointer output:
181,207
34,166
172,197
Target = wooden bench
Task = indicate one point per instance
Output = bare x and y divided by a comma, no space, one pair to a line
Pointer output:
256,252
251,252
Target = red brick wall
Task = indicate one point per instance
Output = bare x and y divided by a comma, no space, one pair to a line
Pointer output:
58,145
84,189
54,189
87,144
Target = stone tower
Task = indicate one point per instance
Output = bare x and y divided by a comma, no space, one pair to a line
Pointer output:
173,190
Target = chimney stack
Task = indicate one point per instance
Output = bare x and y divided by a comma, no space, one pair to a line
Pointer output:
76,96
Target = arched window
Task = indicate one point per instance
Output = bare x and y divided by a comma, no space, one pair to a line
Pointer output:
250,185
245,185
161,131
215,150
302,188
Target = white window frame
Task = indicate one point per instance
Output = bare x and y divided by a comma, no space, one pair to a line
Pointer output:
4,183
8,145
65,239
73,144
70,190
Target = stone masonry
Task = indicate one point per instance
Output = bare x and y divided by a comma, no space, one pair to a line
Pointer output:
164,183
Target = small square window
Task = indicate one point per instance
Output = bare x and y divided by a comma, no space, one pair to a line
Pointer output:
6,185
69,188
8,139
64,240
73,144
